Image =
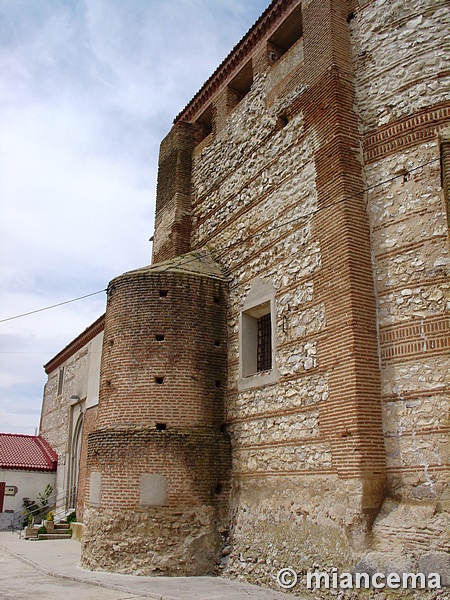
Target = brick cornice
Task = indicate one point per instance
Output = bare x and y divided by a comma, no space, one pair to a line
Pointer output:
76,344
274,13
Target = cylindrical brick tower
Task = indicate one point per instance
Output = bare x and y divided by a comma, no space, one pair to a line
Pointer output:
158,459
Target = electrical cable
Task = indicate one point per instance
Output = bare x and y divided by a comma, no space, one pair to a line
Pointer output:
220,251
32,312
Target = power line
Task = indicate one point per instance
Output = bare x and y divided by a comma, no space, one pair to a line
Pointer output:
404,175
32,312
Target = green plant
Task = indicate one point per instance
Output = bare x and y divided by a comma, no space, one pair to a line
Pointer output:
50,516
42,499
71,518
42,529
36,508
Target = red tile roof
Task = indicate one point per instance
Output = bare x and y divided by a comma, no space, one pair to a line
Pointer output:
26,452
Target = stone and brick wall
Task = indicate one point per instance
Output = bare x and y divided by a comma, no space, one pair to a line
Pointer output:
402,75
276,194
71,392
287,188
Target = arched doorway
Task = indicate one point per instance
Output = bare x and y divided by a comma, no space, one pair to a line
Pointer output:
74,461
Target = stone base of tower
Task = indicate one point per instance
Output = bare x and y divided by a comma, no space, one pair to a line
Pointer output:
152,541
157,501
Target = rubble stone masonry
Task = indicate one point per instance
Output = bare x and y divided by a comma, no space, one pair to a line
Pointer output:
283,203
402,72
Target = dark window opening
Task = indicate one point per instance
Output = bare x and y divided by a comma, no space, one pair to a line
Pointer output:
282,121
240,85
219,488
218,383
159,337
161,426
264,351
204,124
274,52
217,343
256,340
216,300
163,293
159,380
289,32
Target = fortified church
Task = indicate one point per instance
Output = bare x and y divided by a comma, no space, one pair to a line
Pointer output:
273,390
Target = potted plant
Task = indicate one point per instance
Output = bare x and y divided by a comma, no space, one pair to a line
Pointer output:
49,522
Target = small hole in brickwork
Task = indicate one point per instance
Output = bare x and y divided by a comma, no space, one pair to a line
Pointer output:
282,121
161,426
163,293
223,428
219,488
159,379
350,16
217,343
218,383
159,337
216,300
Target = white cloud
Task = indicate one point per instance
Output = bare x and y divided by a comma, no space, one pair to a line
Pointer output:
88,89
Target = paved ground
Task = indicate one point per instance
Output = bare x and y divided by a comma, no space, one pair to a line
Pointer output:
49,569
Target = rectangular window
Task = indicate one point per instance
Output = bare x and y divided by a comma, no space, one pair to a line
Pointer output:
257,337
264,350
240,85
60,380
287,34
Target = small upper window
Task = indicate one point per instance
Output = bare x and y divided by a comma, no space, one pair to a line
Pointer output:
204,124
286,35
241,85
60,380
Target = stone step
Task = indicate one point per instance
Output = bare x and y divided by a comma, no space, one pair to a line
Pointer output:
54,536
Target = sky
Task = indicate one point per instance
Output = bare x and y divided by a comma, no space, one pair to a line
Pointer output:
88,89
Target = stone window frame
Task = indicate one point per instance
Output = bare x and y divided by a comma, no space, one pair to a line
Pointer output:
60,383
259,302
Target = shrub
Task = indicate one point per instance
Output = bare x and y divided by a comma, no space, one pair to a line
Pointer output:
42,529
71,518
